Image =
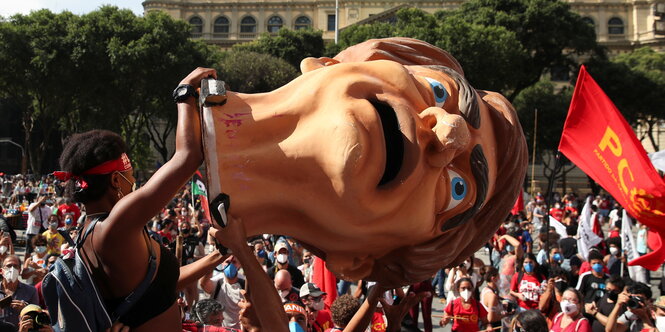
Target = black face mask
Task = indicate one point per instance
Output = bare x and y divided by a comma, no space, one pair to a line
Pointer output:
612,295
184,231
561,286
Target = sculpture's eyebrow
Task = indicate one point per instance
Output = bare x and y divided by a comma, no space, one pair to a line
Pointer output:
480,173
467,101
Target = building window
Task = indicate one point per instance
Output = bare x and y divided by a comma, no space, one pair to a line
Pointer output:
221,27
331,22
274,24
248,25
588,20
197,26
303,22
615,26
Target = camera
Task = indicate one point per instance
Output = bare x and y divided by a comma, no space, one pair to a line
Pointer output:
635,302
509,306
39,318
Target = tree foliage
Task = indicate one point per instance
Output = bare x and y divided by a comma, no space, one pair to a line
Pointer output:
107,69
251,72
503,45
290,45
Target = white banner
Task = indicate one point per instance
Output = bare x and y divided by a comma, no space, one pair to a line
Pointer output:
586,238
658,160
636,273
558,226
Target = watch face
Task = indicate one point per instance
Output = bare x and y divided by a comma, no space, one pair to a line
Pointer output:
182,91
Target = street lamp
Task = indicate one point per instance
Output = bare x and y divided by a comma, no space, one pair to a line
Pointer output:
23,161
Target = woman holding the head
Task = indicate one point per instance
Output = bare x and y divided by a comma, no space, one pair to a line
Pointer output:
118,248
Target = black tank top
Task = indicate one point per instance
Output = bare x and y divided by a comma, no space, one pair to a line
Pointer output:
160,295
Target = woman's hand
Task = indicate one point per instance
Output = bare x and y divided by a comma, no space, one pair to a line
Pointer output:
248,318
232,235
395,313
194,78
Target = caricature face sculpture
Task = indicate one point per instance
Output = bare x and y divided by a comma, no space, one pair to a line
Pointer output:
383,160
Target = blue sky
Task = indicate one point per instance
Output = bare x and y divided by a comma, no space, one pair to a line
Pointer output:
10,7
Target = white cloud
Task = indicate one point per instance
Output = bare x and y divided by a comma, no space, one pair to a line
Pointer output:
11,7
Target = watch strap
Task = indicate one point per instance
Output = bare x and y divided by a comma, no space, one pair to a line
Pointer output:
190,92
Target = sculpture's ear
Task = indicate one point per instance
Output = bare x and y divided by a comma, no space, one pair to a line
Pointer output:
309,64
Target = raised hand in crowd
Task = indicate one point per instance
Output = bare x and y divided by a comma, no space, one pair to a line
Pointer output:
260,289
395,313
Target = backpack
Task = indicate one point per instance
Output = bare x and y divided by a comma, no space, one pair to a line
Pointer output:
73,299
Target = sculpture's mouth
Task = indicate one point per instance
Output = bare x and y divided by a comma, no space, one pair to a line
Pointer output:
394,143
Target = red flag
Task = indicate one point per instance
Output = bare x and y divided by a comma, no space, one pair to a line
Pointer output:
324,279
519,203
601,143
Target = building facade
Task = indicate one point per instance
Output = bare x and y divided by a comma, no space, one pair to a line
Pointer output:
621,25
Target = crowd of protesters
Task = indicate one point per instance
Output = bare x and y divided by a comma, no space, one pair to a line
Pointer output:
536,279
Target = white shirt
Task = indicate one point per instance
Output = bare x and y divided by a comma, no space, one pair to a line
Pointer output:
37,218
229,295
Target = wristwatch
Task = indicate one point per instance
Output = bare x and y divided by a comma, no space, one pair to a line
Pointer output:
183,92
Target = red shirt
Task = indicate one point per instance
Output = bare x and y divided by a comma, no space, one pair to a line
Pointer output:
579,325
530,287
466,319
378,323
323,321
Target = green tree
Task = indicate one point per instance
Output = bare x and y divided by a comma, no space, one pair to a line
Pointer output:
550,33
108,69
552,108
251,72
290,45
37,75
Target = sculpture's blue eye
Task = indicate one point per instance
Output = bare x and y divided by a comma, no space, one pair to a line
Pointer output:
439,91
458,189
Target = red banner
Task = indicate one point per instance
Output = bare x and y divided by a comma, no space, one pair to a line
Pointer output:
325,280
599,141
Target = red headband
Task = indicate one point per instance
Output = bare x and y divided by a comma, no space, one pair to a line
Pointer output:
121,164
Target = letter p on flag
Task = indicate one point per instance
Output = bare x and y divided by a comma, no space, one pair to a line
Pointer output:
601,143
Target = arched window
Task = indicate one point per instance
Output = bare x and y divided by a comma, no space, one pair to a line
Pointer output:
197,26
303,22
615,26
248,25
221,27
588,20
274,24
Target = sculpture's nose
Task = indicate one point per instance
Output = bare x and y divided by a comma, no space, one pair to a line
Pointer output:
448,137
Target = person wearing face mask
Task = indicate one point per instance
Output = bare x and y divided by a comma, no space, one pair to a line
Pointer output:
6,246
284,286
592,283
297,316
318,317
465,311
53,238
556,212
38,214
514,253
601,309
225,288
550,300
34,268
22,294
555,259
570,318
306,267
614,259
69,208
527,284
636,301
262,255
282,263
659,313
456,273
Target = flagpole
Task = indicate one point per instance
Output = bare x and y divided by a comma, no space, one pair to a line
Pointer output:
336,21
550,195
533,154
